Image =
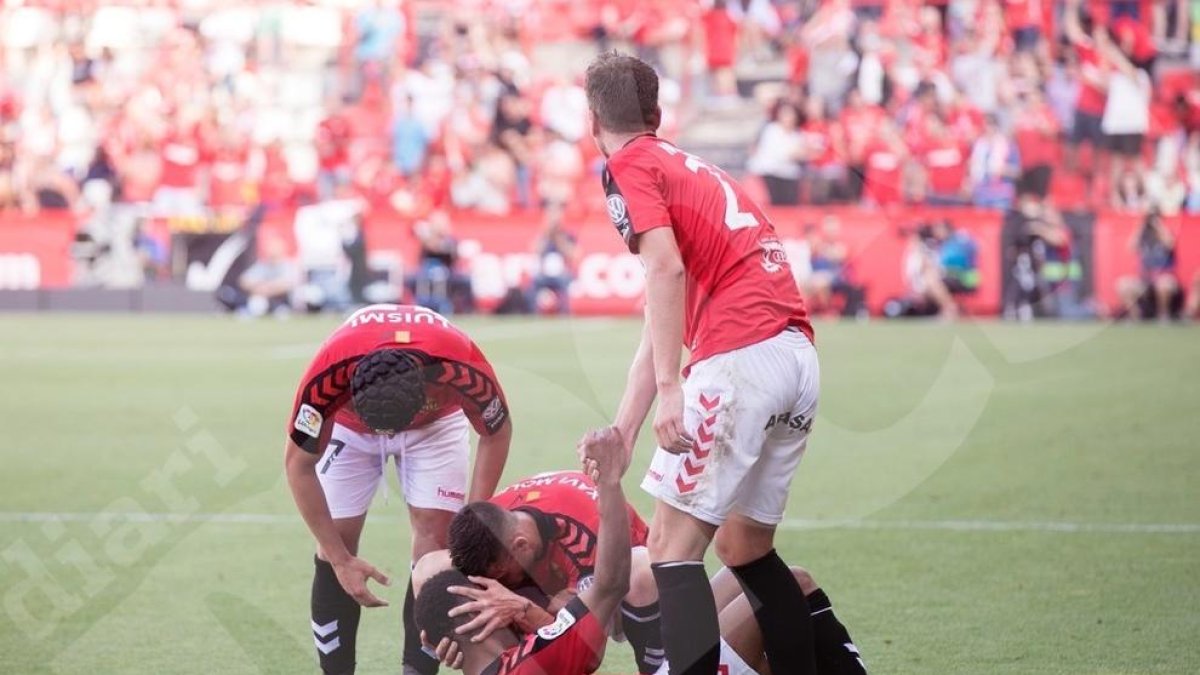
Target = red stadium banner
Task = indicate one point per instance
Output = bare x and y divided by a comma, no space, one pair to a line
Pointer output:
35,252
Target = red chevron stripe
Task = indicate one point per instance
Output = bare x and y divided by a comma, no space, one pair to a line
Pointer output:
314,394
709,403
704,435
700,452
691,470
683,487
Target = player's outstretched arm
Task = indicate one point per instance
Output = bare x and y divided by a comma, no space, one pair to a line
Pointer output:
604,453
639,393
352,572
490,456
665,292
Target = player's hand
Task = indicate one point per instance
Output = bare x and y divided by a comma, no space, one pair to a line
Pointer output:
604,456
494,606
353,575
447,652
668,421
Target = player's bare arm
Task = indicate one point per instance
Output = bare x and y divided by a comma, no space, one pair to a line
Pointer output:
605,455
640,391
352,571
665,292
490,457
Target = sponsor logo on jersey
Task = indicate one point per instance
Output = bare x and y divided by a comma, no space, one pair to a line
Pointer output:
562,622
618,213
774,258
308,420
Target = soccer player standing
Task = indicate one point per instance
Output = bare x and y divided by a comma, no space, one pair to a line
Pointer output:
731,435
393,381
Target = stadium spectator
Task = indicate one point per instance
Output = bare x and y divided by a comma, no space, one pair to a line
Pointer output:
720,49
939,264
1156,291
778,154
1125,122
556,251
994,166
437,283
825,154
1035,131
267,285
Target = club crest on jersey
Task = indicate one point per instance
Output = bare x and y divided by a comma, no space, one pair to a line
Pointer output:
774,258
562,622
618,213
308,420
585,582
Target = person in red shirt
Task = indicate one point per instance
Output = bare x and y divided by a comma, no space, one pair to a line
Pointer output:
1035,130
574,643
539,536
885,157
720,47
944,164
398,381
1089,39
718,282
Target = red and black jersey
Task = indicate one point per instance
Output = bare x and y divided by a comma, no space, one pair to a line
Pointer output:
563,503
572,645
458,376
740,288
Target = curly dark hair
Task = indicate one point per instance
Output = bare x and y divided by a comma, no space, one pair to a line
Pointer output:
388,388
476,537
432,608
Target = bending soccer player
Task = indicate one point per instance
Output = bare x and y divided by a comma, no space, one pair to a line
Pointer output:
731,435
538,536
393,381
574,643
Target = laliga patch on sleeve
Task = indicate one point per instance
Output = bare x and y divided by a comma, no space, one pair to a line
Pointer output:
562,622
308,420
493,411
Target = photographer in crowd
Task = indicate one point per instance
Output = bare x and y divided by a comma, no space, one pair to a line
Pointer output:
1155,293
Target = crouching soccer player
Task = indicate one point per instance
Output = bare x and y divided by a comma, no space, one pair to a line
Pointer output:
574,643
393,381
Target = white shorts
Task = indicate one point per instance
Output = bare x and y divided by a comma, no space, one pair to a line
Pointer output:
731,663
750,411
431,465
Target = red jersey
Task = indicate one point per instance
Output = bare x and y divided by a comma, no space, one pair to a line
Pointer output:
458,375
740,288
563,503
572,645
1091,97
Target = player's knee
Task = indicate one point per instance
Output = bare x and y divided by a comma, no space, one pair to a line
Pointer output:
429,565
738,545
642,588
807,584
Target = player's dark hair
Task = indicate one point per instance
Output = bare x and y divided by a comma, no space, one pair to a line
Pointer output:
477,537
388,388
623,92
432,607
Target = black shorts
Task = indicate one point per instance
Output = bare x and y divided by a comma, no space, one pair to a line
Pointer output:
1087,129
1126,145
1035,181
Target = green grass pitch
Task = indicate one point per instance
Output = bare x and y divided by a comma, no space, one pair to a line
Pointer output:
977,498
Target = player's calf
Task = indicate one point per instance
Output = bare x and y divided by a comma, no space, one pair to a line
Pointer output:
335,618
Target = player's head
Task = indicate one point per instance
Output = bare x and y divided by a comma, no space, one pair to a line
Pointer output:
622,93
433,605
485,541
388,388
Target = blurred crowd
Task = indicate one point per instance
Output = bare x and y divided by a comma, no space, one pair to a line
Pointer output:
198,106
1092,103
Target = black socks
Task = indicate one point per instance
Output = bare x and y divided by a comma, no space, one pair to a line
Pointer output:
643,629
782,614
691,634
415,656
334,621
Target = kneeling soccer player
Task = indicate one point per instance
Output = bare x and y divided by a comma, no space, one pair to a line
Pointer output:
393,381
574,643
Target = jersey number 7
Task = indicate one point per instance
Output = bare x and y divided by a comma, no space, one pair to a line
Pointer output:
734,219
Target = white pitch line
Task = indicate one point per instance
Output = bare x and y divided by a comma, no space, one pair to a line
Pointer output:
1064,527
